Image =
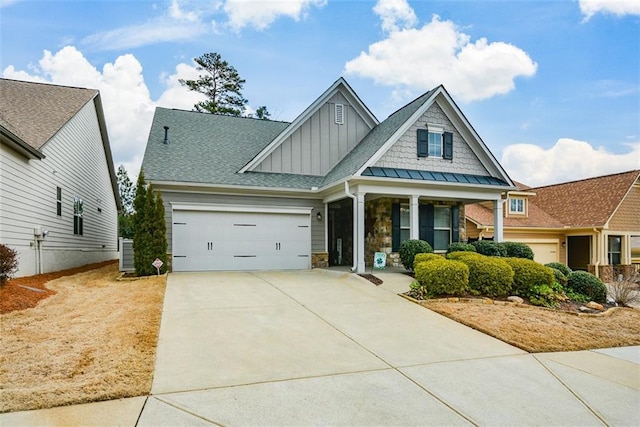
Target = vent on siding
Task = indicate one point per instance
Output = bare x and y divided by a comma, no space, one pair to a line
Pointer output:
339,114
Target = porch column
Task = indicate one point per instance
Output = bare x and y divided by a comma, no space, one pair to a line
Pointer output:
414,232
498,234
360,235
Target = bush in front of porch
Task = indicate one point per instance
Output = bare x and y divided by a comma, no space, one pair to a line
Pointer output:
410,248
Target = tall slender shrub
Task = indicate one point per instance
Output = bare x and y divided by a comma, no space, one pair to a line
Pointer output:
149,229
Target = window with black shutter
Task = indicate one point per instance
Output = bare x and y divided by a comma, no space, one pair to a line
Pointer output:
448,146
423,143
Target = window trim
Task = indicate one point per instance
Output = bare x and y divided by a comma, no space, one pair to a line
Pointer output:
610,252
408,227
516,211
78,214
440,228
58,201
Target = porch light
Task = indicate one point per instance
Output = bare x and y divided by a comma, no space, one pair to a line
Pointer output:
319,216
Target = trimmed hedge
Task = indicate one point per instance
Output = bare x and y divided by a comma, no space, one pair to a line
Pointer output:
560,266
527,275
461,247
488,276
587,284
444,277
518,250
424,257
460,255
559,275
410,248
490,248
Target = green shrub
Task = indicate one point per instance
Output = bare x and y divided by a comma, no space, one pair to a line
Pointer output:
410,248
461,255
425,257
460,247
559,275
443,277
527,274
488,276
518,250
560,266
587,284
546,295
8,263
490,248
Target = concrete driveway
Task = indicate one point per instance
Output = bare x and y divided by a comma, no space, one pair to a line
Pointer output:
317,347
326,348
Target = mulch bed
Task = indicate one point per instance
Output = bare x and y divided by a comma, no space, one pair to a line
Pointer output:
373,279
25,292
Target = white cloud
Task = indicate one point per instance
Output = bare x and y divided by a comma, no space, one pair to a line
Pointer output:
395,14
439,53
567,160
176,12
127,104
614,7
261,14
176,95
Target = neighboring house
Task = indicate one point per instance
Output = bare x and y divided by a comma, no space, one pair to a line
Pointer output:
331,188
58,194
591,224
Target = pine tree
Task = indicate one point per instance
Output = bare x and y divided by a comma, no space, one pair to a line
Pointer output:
127,192
140,228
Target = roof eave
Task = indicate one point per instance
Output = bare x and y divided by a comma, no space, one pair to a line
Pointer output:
107,149
20,145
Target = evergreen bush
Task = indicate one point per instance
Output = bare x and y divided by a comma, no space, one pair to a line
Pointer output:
560,266
518,250
149,229
488,276
460,247
444,277
490,248
527,274
424,257
559,275
410,248
587,284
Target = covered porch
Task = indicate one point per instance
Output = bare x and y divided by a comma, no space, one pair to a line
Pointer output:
370,216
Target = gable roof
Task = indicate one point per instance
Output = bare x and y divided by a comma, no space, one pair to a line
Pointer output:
588,202
35,112
584,203
339,85
188,156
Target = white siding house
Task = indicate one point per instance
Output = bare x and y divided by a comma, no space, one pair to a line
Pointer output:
58,194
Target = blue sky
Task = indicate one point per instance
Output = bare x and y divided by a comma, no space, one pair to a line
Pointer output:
552,87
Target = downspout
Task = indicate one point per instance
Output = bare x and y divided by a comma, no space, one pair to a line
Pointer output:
354,244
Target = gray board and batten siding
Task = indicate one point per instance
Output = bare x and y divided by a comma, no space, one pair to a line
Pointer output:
29,198
320,142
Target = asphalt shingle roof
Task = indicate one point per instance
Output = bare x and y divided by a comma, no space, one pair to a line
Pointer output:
191,157
585,203
34,112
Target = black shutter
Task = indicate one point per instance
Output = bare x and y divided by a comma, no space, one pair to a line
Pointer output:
455,223
423,143
426,218
395,227
448,145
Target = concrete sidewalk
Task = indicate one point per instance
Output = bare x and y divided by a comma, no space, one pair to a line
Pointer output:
324,347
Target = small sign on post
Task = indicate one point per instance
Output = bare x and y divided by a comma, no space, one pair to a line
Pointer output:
379,260
157,263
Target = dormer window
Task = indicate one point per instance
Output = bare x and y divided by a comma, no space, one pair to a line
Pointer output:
516,205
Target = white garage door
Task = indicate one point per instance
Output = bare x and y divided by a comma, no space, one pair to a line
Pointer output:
276,239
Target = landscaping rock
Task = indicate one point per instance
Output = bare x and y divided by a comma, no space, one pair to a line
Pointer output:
515,299
594,305
584,309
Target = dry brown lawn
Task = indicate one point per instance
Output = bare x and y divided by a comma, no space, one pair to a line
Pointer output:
94,339
536,329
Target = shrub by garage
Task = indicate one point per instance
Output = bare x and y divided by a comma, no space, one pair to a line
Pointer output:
490,248
518,250
445,277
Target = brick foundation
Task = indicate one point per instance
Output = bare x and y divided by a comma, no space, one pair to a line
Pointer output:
610,273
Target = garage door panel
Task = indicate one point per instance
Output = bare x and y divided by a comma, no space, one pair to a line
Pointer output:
211,240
